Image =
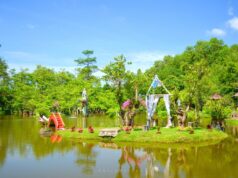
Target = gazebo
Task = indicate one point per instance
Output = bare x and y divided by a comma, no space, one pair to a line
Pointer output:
235,95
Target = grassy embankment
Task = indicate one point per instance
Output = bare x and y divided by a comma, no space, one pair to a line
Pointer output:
171,135
231,122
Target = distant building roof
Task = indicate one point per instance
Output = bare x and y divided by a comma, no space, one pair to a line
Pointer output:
236,95
216,96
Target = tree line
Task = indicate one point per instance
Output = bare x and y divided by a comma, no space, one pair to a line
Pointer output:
203,69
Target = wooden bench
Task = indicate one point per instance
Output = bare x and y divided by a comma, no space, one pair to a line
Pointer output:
108,145
111,132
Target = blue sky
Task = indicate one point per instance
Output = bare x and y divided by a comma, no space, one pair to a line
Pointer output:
53,33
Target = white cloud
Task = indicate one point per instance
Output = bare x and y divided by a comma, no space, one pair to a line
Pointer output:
144,60
19,55
233,23
22,59
35,58
216,32
32,67
98,73
19,67
230,11
146,56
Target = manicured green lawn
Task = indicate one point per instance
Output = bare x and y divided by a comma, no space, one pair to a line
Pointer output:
84,136
231,122
167,135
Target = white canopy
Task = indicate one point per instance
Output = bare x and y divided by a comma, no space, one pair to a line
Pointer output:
152,100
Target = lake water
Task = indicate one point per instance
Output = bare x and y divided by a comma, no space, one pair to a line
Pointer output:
25,153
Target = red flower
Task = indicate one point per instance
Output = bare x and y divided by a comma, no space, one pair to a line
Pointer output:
80,130
73,129
209,126
90,129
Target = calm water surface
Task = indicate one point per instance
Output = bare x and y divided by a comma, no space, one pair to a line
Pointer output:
25,153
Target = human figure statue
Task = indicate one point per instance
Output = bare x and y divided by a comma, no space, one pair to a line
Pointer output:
181,117
84,103
129,116
128,112
84,94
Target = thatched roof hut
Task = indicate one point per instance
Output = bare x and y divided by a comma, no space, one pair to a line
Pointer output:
216,96
235,95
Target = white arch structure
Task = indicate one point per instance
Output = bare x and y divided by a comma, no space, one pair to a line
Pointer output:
152,100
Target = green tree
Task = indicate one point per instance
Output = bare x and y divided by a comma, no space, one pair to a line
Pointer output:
115,73
4,86
88,64
195,87
137,84
203,69
24,92
45,81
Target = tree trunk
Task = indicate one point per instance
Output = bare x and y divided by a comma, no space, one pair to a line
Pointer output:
136,93
119,99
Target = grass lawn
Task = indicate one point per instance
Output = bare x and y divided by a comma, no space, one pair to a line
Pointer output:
167,135
231,122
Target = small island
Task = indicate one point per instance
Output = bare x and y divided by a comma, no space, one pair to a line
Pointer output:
163,136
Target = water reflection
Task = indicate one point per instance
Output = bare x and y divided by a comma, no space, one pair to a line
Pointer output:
86,157
128,156
46,132
232,131
55,138
147,162
212,161
24,144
